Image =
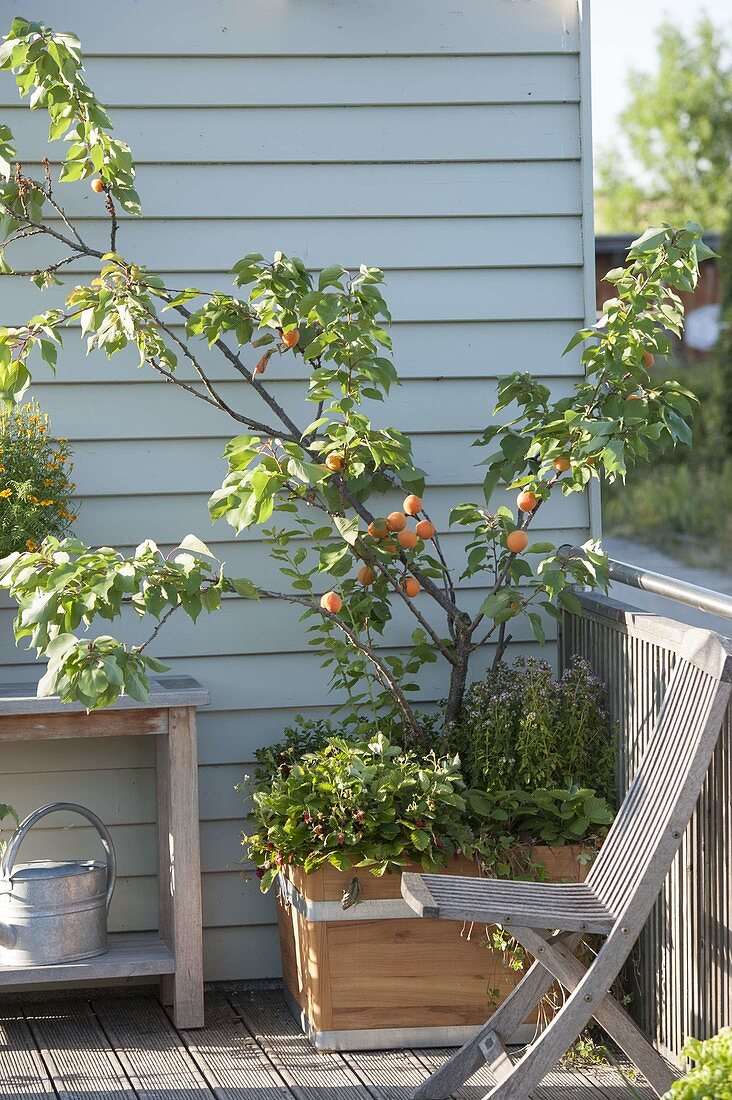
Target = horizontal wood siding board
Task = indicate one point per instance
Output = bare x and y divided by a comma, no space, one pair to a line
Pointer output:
327,81
348,190
421,350
428,295
444,404
126,468
165,516
348,28
390,243
292,135
249,628
292,681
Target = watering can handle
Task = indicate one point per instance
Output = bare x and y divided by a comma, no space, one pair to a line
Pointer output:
8,858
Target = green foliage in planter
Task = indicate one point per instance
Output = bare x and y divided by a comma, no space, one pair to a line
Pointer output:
521,728
366,804
711,1076
35,488
542,816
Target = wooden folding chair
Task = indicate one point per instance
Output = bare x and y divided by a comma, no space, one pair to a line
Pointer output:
549,920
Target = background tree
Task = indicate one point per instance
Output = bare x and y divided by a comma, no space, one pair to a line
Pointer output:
676,151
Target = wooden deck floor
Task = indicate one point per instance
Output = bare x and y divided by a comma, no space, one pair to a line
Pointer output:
251,1049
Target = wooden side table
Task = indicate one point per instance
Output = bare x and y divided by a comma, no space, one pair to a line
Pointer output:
175,952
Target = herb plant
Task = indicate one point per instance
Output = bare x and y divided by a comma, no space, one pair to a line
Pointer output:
521,728
320,478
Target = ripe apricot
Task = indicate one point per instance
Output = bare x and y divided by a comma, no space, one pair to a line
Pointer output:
378,529
334,462
389,546
426,529
408,539
396,521
291,339
412,505
332,602
634,397
366,575
411,586
517,541
561,464
97,185
647,359
527,501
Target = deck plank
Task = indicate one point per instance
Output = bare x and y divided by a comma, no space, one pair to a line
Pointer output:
388,1074
308,1074
232,1062
150,1049
251,1049
77,1055
22,1072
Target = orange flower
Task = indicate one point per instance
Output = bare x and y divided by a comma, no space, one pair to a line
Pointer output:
6,493
31,497
31,544
48,482
45,503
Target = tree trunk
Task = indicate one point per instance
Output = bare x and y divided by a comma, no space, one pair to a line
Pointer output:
459,676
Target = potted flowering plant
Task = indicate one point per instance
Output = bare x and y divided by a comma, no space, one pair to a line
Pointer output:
337,817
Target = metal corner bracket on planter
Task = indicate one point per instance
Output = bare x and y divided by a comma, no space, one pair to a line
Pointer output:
54,912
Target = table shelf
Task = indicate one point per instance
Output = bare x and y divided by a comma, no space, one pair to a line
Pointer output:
130,955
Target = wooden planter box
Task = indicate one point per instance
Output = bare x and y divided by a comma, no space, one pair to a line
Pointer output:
376,976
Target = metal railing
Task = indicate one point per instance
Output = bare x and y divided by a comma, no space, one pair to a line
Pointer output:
693,595
682,979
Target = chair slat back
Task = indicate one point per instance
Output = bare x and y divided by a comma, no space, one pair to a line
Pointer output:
647,831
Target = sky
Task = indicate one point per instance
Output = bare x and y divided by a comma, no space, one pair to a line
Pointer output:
623,38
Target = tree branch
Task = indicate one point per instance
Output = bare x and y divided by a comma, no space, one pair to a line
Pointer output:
382,673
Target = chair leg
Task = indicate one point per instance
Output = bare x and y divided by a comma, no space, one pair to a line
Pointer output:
495,1032
609,1014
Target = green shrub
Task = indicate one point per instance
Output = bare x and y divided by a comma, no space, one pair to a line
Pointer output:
521,728
366,804
711,1076
35,490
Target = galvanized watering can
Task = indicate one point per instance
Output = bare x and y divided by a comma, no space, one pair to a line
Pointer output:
54,912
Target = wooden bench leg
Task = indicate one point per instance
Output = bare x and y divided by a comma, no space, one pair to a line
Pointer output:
180,865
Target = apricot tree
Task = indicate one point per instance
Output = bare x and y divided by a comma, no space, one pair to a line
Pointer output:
324,484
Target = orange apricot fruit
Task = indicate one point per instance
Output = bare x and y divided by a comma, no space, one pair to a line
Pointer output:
561,464
366,575
412,505
527,501
389,546
517,541
408,539
332,602
97,185
291,339
647,359
411,586
334,462
426,529
378,529
396,521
